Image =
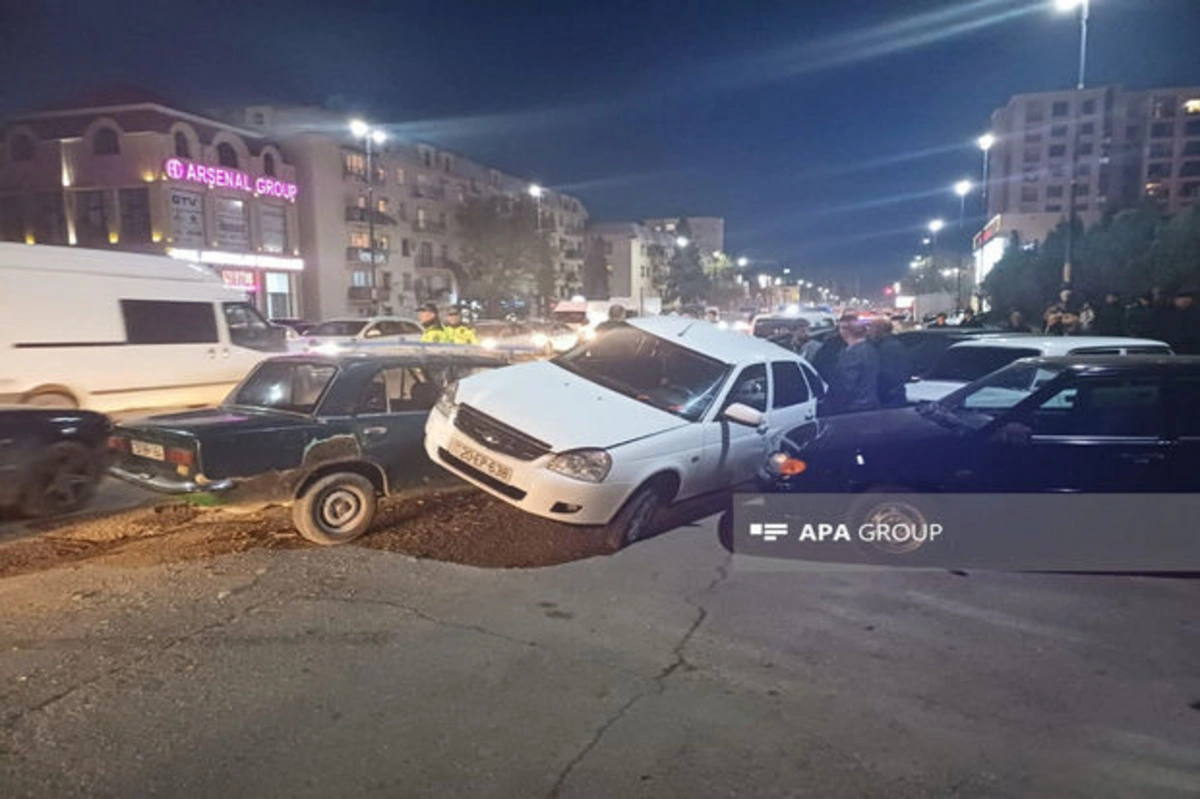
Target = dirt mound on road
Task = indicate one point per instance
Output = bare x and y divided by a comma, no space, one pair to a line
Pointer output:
458,526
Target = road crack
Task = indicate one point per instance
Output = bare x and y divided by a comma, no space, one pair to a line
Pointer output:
678,660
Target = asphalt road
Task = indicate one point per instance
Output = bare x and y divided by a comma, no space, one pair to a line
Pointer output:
666,669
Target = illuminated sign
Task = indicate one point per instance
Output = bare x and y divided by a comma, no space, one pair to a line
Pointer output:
238,279
219,177
242,259
988,233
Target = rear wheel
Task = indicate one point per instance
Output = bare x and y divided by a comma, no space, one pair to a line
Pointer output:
637,518
336,509
62,480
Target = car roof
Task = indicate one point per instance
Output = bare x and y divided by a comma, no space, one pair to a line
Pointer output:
408,354
1056,345
1107,363
708,339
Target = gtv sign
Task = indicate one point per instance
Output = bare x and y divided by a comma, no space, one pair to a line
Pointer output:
219,177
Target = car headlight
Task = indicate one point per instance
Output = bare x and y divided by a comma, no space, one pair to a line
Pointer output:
588,465
446,404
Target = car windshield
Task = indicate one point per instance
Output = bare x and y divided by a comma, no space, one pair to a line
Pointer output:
979,402
649,369
770,328
348,327
295,387
964,364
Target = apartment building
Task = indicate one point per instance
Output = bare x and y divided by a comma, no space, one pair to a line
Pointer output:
412,201
1170,168
637,255
128,170
708,231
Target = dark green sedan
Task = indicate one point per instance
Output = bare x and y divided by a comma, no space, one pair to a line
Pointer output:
330,434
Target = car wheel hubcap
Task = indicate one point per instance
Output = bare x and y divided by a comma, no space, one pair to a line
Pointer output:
897,515
340,509
69,483
639,524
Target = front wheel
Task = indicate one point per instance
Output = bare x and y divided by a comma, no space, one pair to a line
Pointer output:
336,509
636,519
63,480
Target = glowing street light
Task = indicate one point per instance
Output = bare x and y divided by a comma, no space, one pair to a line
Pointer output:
986,141
536,191
743,262
963,187
682,241
936,225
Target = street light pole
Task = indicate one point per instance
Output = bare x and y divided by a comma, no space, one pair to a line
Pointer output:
985,143
1084,7
962,188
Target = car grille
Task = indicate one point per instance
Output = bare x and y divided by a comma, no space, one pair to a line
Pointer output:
498,436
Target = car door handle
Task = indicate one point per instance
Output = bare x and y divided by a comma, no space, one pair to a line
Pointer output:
375,431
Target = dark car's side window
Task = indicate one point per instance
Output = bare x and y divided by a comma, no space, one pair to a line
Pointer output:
750,388
1103,407
400,389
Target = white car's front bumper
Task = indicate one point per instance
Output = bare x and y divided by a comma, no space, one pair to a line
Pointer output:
533,487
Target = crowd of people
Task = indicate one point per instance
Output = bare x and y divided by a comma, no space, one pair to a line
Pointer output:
1173,318
452,331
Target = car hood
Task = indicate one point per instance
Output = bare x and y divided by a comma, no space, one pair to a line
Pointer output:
561,408
930,389
893,427
221,419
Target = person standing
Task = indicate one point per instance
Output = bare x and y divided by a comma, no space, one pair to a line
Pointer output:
895,367
435,332
1181,323
939,321
969,320
1016,323
855,383
1110,317
455,331
1139,317
616,318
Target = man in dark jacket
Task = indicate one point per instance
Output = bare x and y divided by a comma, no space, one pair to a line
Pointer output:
855,383
895,367
1110,317
1139,317
1180,325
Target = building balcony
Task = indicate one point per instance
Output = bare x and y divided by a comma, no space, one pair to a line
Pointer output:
429,226
573,255
356,214
429,192
362,255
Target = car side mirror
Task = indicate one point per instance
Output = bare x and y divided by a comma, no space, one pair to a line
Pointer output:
743,414
1013,434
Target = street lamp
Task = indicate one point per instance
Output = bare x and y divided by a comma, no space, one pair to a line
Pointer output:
985,142
682,241
962,188
1084,7
377,136
743,262
536,192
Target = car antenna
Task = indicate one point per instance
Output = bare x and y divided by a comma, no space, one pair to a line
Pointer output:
681,333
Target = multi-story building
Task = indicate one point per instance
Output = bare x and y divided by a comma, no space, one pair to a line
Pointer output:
1170,166
1126,147
636,257
707,231
127,170
417,191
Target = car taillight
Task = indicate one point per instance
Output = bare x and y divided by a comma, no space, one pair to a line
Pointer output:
179,457
119,443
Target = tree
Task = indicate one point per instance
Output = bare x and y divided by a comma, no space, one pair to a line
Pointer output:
595,270
686,280
504,254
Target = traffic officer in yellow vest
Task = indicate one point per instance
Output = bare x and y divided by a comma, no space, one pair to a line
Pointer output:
456,332
435,331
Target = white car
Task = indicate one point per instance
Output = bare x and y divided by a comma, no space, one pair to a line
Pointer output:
335,335
660,410
970,360
774,325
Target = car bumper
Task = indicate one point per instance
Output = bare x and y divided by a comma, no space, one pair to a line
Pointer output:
533,488
165,485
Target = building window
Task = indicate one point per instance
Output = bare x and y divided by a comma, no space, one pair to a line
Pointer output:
1085,148
406,247
359,238
354,164
273,222
381,205
421,220
1191,148
226,155
1158,170
1058,171
1029,194
268,164
1160,150
1190,169
104,142
445,253
1192,128
1082,189
1087,128
1032,156
427,157
1189,190
442,220
1033,113
1060,108
399,176
1058,131
135,215
1058,150
183,148
1053,209
446,163
360,278
91,221
279,295
1162,130
1162,107
1083,170
1054,192
1033,138
1089,106
1157,191
425,255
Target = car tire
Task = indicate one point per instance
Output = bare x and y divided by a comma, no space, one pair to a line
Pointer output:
725,531
62,480
637,518
336,509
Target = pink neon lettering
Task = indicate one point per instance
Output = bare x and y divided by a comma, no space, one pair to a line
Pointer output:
212,176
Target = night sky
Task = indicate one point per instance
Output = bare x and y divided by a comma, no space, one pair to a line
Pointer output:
826,133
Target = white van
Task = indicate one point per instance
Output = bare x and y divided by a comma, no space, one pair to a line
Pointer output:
114,331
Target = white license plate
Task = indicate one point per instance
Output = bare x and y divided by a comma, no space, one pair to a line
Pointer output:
475,458
144,449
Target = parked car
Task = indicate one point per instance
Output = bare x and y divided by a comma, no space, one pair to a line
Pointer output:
298,326
119,331
970,360
50,460
338,335
771,326
329,434
926,346
1091,424
659,410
